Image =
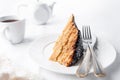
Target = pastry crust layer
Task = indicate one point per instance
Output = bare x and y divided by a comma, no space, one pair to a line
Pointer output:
64,48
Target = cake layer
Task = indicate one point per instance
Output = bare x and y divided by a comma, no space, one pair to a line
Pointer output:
64,50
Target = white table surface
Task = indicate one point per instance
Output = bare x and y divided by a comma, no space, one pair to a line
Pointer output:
102,15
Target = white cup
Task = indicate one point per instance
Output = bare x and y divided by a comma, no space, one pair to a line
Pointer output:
13,28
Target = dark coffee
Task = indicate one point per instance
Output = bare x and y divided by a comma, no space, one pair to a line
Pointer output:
11,20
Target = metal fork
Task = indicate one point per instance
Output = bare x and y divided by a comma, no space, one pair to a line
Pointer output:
98,69
84,67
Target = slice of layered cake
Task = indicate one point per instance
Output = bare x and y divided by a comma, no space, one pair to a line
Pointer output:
68,47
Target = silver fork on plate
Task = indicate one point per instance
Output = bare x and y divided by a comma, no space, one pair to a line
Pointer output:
85,66
98,69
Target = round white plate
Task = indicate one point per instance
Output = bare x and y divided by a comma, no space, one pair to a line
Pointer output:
41,50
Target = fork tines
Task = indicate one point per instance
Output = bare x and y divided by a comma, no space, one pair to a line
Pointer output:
86,32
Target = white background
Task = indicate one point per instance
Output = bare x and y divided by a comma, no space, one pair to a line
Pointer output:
102,15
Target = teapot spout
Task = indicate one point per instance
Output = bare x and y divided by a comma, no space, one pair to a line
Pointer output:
52,5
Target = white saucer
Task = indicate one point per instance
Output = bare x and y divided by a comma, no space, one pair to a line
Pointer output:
41,50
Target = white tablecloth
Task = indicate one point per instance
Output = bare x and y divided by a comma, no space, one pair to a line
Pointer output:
102,15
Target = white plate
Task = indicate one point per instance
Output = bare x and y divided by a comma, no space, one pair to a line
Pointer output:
42,49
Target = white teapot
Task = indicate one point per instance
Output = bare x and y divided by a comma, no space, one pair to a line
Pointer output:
39,13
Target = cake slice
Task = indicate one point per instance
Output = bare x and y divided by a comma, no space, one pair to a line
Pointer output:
68,47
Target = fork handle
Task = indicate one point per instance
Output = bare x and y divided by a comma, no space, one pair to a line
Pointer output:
84,67
98,69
